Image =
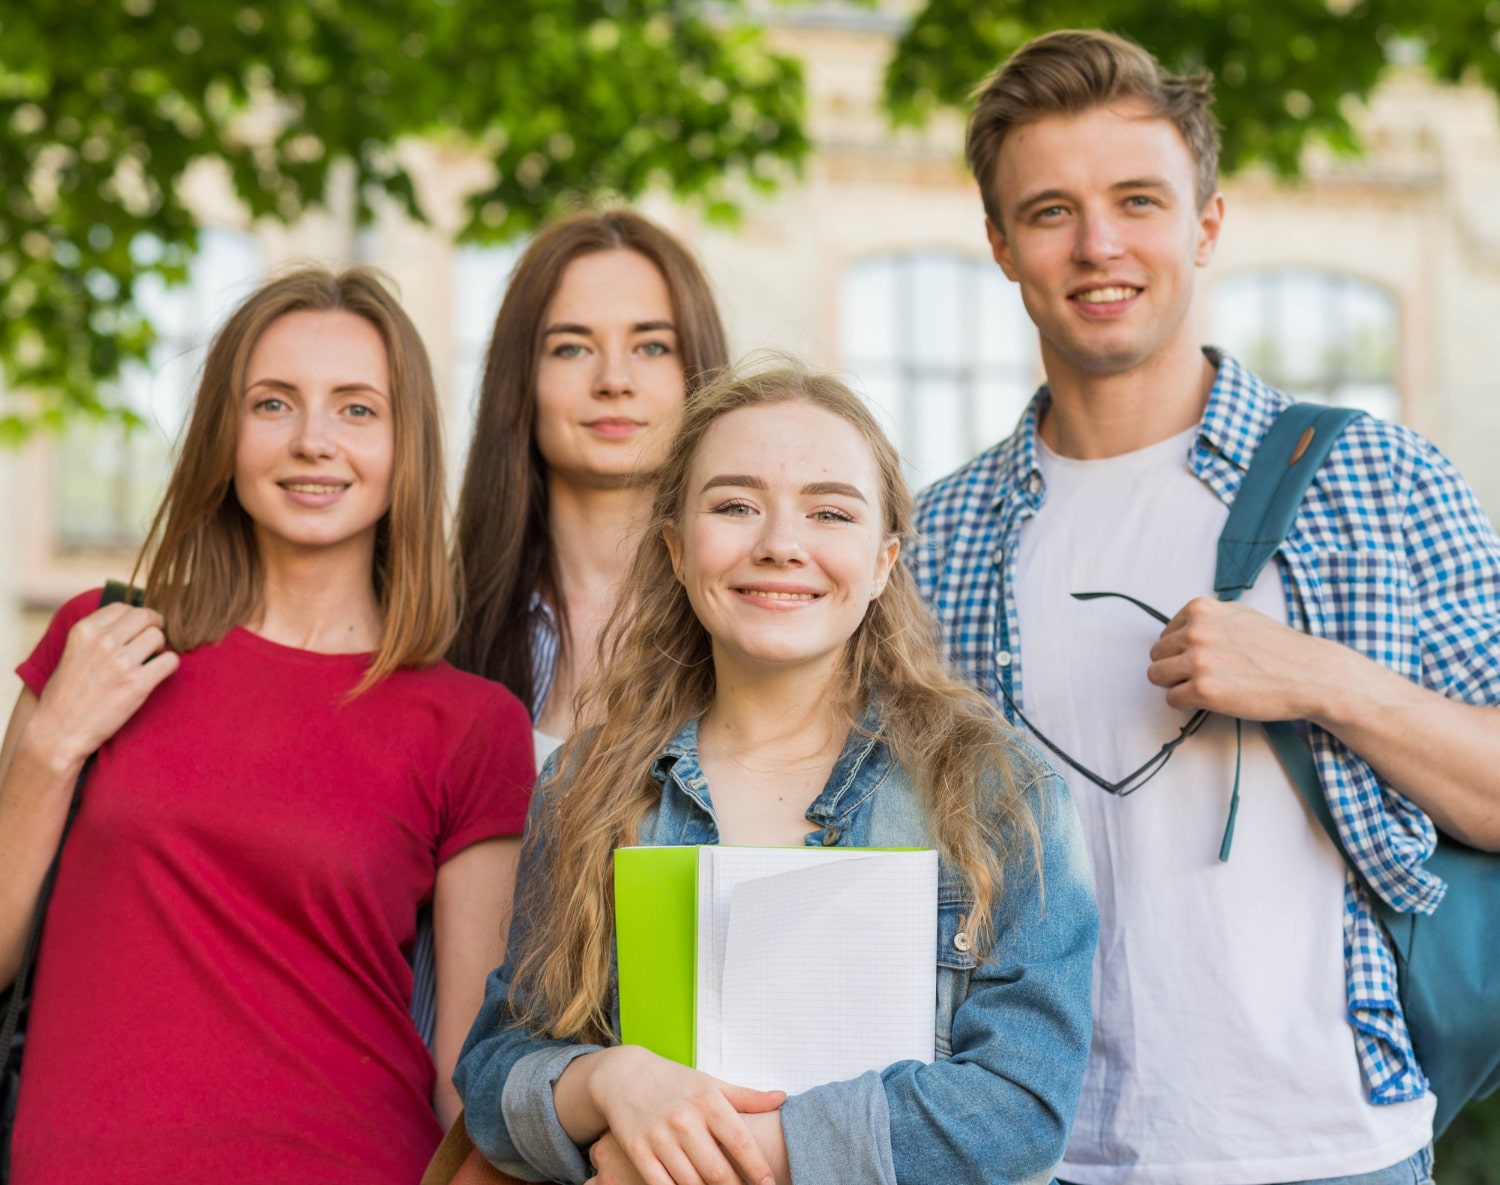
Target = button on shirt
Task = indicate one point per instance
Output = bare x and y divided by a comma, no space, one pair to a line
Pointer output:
1391,554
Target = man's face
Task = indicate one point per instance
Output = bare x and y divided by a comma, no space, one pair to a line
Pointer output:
1103,233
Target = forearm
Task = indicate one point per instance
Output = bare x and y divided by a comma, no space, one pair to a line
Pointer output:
34,795
1442,754
575,1102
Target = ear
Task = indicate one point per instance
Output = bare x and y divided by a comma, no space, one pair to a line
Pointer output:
1210,222
1000,249
884,563
673,540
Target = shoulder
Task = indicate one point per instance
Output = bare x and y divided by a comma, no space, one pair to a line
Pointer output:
1385,485
449,689
76,608
973,486
38,666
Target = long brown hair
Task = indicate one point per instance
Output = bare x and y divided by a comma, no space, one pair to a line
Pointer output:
504,547
202,569
658,673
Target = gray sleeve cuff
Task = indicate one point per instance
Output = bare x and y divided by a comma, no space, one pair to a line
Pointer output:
531,1116
839,1133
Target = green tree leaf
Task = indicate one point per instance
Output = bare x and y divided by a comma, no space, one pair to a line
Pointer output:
106,104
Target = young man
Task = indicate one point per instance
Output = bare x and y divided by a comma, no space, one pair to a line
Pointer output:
1248,1028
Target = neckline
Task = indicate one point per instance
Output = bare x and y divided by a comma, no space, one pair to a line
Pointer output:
1175,445
249,637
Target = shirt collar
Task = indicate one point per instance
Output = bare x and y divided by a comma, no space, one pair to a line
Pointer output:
1240,410
864,739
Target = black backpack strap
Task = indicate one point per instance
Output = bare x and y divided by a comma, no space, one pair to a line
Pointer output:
1264,509
114,591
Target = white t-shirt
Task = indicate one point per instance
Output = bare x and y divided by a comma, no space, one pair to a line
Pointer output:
1222,1053
543,743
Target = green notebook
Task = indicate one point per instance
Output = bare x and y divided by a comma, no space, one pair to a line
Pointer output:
777,967
656,937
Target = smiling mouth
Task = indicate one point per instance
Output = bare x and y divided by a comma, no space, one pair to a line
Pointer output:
778,595
312,487
1111,295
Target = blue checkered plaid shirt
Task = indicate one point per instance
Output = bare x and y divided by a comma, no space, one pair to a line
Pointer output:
1391,554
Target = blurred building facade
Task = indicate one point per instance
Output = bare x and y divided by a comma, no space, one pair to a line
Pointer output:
1371,281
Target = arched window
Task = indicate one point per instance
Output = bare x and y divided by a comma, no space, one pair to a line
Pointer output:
942,347
109,480
1316,335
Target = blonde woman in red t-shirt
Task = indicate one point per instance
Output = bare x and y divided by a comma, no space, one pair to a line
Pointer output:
287,771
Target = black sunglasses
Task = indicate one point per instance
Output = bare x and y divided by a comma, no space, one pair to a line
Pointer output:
1143,773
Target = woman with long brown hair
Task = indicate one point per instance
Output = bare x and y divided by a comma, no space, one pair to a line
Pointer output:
285,770
772,678
607,326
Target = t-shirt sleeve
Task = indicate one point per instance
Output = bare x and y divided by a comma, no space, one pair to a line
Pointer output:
490,778
39,665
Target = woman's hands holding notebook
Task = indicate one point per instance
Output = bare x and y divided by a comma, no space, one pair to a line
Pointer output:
654,1121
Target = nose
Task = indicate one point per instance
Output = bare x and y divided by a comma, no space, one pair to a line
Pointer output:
313,437
615,377
779,543
1097,238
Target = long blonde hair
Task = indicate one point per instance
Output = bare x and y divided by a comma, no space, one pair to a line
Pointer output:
659,673
202,571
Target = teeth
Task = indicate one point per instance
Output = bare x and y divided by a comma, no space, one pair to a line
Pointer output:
1106,295
307,487
780,596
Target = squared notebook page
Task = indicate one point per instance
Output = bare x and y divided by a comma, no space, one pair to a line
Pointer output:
829,970
720,868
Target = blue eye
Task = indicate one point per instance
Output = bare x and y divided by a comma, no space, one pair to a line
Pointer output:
831,515
734,508
271,404
568,350
655,349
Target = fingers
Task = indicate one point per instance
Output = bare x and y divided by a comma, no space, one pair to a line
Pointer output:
612,1166
102,678
740,1146
751,1102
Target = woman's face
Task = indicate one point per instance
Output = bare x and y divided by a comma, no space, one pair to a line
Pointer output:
782,542
609,385
316,444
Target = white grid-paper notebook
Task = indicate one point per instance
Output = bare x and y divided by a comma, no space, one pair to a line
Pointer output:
814,964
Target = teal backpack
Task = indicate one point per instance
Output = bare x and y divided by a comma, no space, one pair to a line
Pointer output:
1449,961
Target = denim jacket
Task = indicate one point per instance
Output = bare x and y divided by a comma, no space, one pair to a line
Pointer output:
1012,1031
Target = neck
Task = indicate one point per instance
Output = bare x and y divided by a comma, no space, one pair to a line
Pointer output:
314,600
785,715
594,535
1093,416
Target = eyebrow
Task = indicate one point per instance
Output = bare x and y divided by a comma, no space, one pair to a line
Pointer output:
292,388
585,331
748,481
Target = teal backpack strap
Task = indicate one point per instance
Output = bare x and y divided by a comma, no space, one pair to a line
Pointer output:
1263,512
1272,491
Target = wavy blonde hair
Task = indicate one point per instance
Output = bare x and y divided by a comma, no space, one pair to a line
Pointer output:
658,673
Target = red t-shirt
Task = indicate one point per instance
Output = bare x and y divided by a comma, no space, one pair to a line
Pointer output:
221,991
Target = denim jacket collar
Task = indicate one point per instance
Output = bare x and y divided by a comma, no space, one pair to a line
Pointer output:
861,766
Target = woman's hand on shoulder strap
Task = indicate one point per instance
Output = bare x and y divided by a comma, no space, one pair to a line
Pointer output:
673,1125
114,658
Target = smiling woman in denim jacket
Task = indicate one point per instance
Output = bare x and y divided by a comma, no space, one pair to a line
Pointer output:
779,683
